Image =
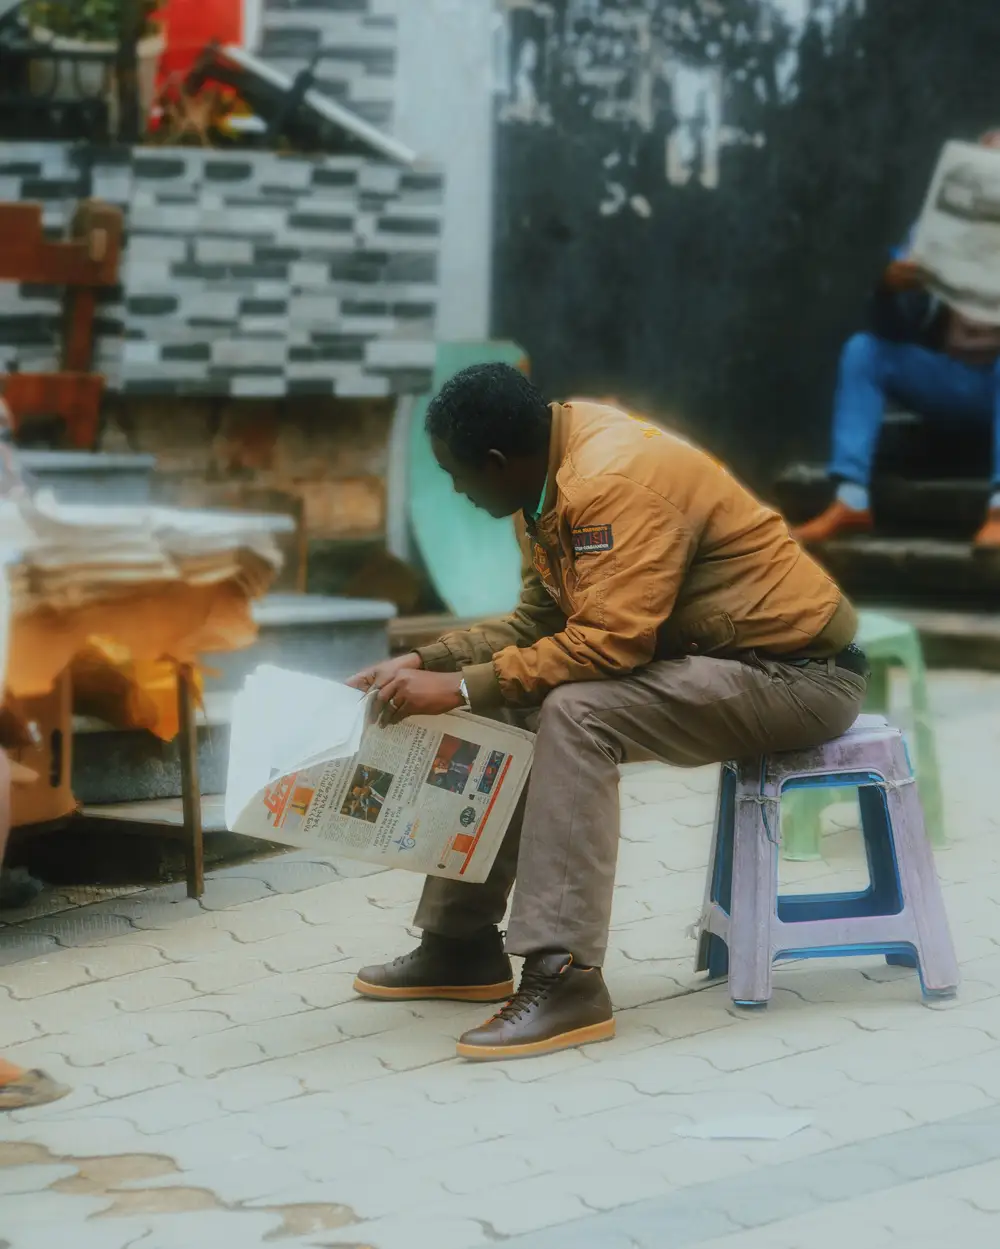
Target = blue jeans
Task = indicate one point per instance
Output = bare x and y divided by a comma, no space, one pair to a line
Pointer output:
926,382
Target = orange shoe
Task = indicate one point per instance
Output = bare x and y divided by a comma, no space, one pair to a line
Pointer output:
988,538
19,1088
838,519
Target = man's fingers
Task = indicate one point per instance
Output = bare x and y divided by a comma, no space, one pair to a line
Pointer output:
361,680
390,696
389,690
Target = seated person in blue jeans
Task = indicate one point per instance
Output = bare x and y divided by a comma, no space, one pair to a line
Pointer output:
924,356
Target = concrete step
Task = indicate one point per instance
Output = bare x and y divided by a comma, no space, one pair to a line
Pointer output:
329,637
916,572
130,765
157,813
946,507
91,476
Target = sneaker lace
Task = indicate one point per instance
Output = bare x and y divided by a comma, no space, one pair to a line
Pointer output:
534,986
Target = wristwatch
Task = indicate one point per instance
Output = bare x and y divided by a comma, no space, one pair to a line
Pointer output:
463,689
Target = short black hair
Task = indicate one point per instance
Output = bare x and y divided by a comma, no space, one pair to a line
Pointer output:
489,407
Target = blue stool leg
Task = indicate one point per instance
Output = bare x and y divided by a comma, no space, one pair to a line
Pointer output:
902,960
886,889
713,955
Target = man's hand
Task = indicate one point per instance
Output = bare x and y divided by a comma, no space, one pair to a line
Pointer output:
904,275
381,674
418,693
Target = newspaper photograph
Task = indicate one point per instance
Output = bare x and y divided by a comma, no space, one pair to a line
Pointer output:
957,241
311,766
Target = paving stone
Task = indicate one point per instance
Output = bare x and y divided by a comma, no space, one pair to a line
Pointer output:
42,976
16,946
231,891
15,1181
120,958
287,874
15,1027
254,924
194,941
213,1227
81,927
249,1063
213,1054
161,1110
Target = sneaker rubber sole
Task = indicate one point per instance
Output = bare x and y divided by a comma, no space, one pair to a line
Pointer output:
533,1049
499,992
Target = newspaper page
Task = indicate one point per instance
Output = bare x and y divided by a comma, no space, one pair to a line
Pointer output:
957,241
311,766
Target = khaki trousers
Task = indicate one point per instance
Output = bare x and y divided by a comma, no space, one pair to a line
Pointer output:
562,845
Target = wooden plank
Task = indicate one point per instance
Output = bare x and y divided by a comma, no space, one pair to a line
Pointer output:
89,259
75,398
190,781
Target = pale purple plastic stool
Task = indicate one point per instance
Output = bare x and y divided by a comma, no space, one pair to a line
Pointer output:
745,925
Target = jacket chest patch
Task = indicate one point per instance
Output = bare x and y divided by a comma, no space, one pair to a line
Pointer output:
540,559
593,539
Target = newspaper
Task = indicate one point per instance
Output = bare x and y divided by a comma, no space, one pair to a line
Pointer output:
311,766
957,240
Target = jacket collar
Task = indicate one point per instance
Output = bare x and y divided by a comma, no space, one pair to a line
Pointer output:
558,444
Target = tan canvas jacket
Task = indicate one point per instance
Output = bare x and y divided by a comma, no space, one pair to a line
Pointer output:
646,548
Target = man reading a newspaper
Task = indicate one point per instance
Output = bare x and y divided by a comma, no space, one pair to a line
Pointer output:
922,354
665,613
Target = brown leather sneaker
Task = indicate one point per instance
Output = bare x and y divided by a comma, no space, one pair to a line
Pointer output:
838,519
476,970
988,538
557,1005
30,1088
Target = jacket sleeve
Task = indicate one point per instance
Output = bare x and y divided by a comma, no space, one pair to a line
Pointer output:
535,616
624,591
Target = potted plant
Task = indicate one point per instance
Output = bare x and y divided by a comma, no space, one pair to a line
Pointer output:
92,26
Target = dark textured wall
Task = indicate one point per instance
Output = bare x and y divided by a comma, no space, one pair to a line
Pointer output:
694,197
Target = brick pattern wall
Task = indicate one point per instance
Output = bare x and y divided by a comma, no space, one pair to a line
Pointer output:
355,41
245,274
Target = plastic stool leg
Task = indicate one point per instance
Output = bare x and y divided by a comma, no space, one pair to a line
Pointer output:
717,957
754,901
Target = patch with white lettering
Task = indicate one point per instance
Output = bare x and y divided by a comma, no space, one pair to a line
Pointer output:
592,539
540,559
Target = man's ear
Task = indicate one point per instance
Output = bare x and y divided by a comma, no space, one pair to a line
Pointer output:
496,459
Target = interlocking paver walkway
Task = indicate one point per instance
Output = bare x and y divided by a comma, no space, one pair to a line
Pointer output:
229,1089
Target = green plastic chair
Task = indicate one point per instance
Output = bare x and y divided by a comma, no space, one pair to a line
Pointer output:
888,643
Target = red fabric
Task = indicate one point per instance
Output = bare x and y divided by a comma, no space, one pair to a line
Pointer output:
191,24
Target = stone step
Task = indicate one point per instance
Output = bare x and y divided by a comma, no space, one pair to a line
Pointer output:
911,447
130,765
91,476
165,813
949,508
328,637
918,572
